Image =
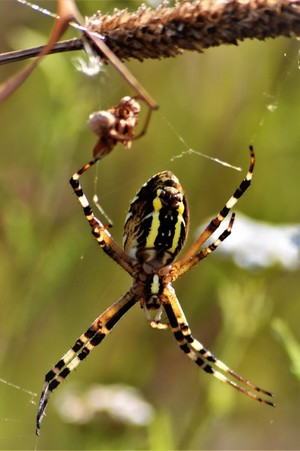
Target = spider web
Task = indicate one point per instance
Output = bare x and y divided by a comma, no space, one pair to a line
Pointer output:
200,117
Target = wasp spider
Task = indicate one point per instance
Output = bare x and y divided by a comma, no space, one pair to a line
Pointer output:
155,231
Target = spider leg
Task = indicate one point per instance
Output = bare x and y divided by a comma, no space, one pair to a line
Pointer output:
202,356
100,232
98,330
204,252
190,258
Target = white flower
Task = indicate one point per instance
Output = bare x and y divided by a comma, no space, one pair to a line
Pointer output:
258,244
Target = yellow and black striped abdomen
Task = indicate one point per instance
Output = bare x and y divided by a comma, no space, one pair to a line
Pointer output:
157,221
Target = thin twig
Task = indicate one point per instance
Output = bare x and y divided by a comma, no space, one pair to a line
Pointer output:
189,25
19,55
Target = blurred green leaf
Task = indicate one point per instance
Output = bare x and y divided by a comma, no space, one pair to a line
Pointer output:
289,343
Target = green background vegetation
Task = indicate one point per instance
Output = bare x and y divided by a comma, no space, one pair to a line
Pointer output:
55,281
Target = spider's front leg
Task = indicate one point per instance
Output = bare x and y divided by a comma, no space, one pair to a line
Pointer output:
98,330
202,356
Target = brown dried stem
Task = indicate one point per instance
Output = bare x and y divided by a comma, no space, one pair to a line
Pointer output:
195,25
189,25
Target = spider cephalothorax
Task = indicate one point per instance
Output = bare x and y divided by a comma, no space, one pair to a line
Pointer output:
154,233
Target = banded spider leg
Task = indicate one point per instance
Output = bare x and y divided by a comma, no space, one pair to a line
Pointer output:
202,356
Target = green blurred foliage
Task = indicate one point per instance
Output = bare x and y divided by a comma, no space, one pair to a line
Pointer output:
55,281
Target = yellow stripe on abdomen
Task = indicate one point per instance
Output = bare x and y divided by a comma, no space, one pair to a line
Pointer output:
153,232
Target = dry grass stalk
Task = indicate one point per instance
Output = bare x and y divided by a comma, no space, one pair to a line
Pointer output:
194,25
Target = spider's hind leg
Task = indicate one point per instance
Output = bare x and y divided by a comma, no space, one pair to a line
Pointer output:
103,237
194,254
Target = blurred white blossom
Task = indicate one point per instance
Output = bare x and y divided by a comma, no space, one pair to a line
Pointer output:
122,403
258,244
